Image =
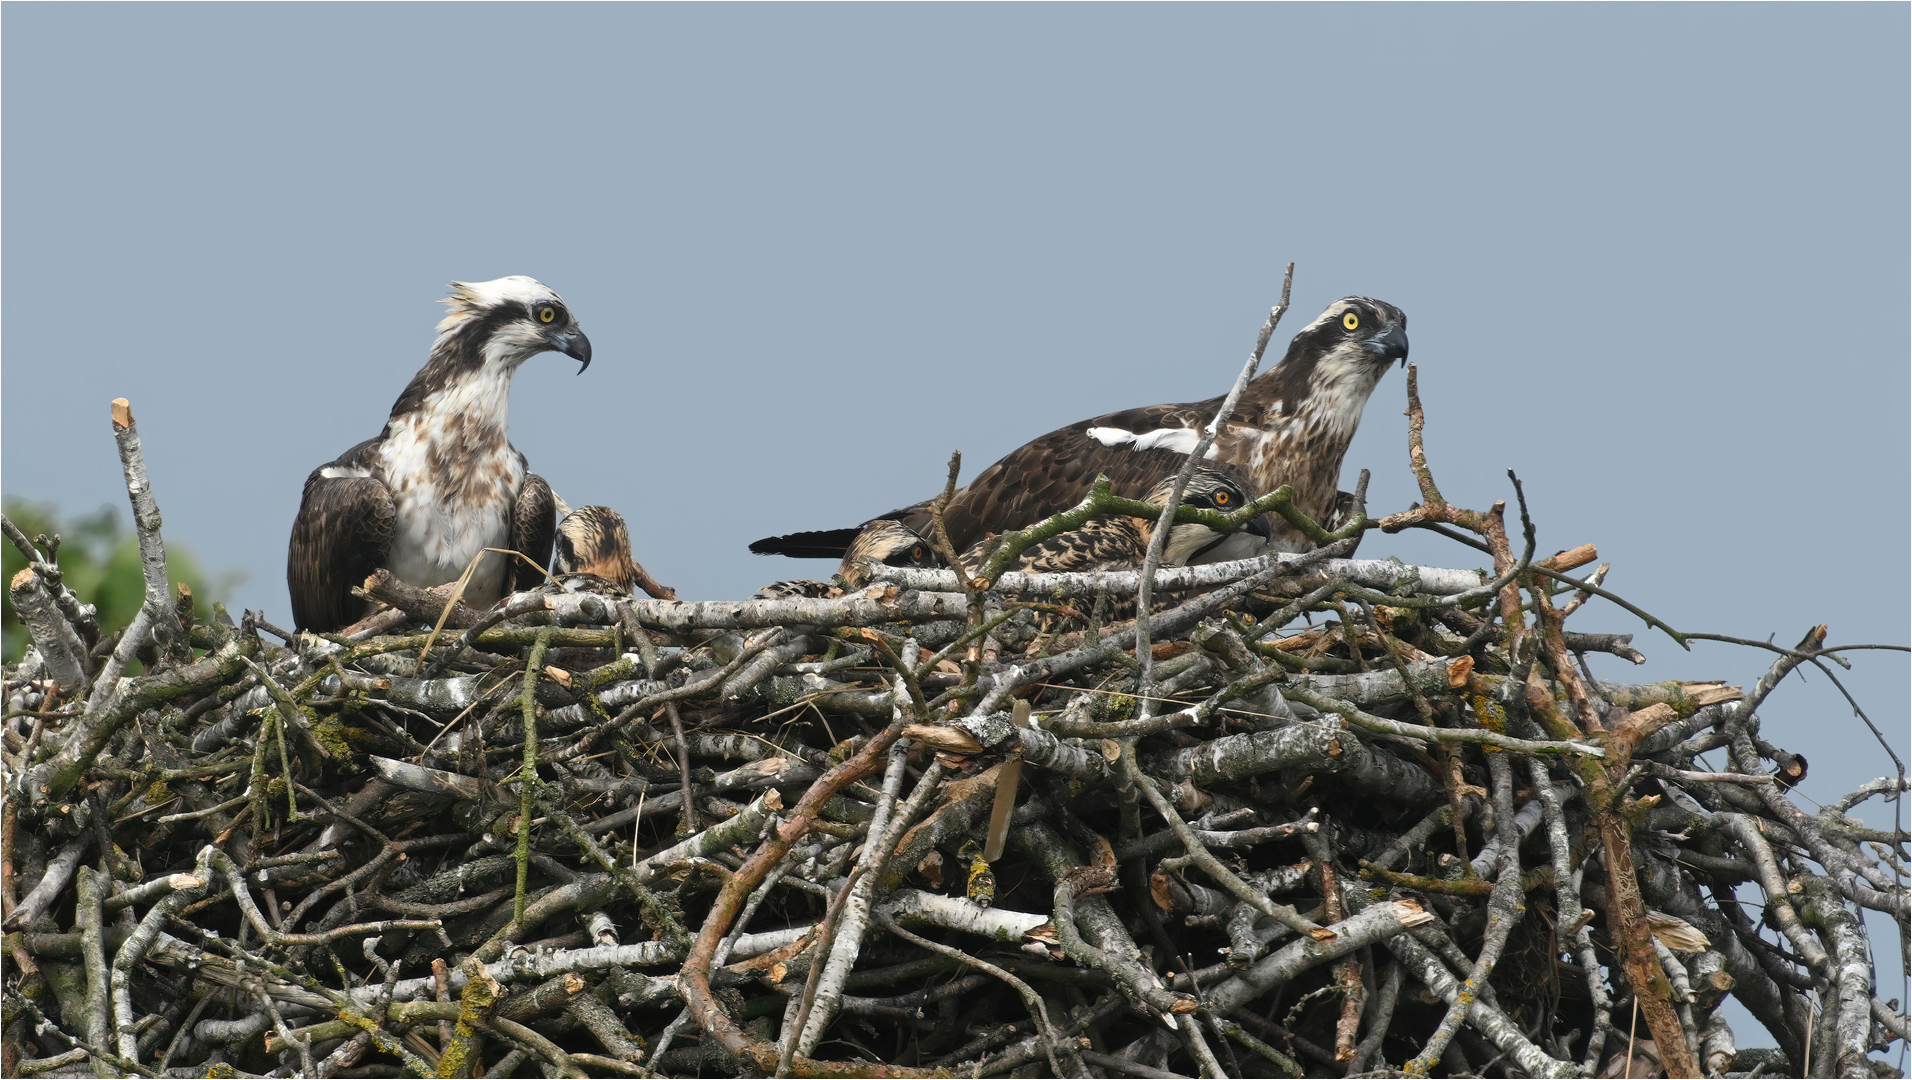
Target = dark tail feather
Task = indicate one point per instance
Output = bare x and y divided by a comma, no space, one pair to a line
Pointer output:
822,544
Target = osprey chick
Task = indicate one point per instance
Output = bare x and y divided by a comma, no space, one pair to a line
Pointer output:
1292,425
594,554
1121,542
442,482
887,542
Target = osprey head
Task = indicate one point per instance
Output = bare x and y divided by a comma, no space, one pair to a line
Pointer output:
1356,337
512,319
888,542
593,540
1210,487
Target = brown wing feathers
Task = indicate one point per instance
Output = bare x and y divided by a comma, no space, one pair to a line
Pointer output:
342,534
1039,479
1048,476
1291,426
534,522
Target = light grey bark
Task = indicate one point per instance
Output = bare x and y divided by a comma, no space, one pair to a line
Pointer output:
1376,925
155,619
59,645
1371,573
1313,747
839,955
1491,1022
684,616
1849,1004
134,949
59,874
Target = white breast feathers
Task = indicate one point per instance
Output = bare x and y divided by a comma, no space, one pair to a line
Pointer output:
454,479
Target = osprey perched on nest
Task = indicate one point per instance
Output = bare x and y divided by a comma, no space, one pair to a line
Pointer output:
442,482
1292,425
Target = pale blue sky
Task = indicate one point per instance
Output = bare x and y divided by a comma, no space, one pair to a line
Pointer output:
1654,258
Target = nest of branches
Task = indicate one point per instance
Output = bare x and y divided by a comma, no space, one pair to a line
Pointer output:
933,827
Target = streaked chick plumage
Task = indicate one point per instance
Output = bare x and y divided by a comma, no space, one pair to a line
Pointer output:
1121,542
592,553
592,542
880,542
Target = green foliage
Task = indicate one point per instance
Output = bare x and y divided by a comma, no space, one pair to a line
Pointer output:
99,556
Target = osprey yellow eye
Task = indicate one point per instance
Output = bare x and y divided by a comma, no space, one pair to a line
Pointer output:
1221,498
548,314
1351,321
916,553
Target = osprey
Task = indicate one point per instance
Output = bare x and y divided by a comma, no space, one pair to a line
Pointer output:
594,554
1292,425
890,543
442,482
594,547
1121,542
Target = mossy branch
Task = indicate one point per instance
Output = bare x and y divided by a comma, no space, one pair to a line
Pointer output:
1101,500
528,772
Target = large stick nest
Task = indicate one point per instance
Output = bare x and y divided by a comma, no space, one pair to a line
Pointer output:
1313,816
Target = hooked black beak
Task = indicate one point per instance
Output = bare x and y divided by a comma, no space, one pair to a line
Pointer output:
1255,526
1390,346
575,345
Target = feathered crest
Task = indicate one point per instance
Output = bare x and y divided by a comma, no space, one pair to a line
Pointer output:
470,297
462,302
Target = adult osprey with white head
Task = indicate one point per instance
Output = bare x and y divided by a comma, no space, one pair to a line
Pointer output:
442,482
